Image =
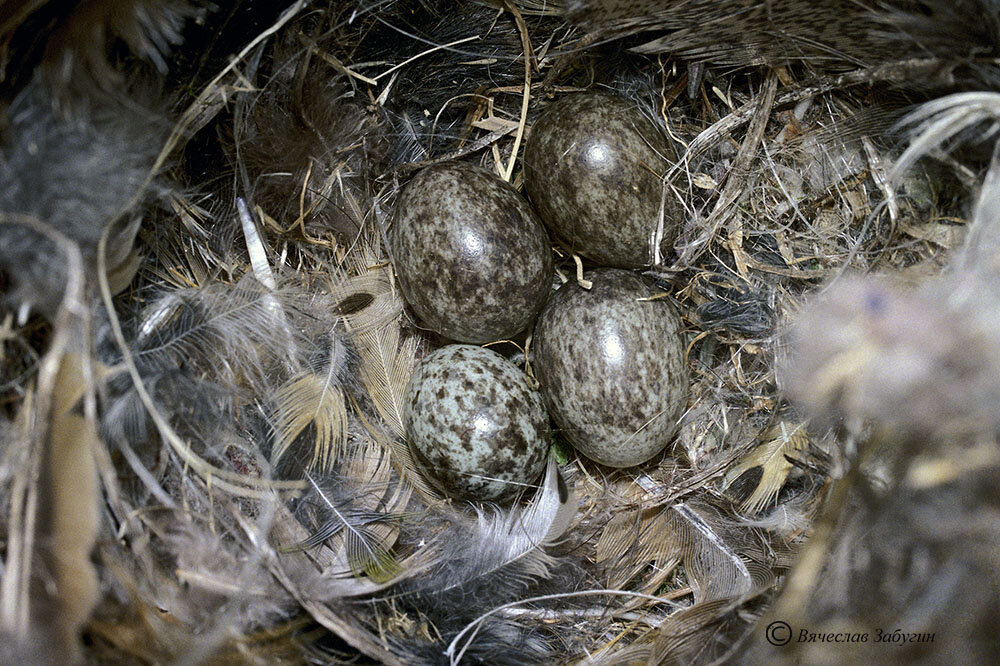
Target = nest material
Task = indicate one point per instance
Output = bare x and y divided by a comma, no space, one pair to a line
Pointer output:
203,451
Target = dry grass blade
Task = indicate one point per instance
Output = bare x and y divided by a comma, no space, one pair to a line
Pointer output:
71,506
508,172
733,188
67,509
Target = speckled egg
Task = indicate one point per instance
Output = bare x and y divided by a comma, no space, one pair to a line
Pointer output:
611,367
475,424
593,165
472,257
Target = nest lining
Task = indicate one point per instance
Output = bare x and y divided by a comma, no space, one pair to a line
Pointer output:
241,398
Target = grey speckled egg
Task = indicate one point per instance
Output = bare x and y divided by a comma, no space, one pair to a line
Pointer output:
475,424
611,367
472,258
593,165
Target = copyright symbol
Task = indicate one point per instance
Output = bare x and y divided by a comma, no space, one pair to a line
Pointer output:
778,633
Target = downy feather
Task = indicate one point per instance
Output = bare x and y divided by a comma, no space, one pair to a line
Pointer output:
477,567
311,400
372,310
102,160
505,548
357,512
217,340
770,456
224,329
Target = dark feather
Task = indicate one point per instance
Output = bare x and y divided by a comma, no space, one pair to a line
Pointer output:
76,46
367,551
839,34
477,567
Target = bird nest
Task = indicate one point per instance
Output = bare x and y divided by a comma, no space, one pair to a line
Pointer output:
205,353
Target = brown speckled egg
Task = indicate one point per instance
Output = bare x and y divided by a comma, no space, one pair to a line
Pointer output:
611,367
475,424
593,165
472,258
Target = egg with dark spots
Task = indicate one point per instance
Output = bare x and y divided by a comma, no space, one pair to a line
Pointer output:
472,258
610,365
475,424
594,167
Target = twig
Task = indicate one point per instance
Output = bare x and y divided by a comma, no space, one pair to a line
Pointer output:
586,284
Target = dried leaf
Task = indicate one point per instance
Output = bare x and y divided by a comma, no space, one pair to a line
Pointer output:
704,181
948,236
74,515
64,585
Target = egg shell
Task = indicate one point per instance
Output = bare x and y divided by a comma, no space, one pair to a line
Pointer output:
475,424
611,367
472,257
593,165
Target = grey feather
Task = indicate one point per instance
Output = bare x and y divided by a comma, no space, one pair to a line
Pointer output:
77,176
477,567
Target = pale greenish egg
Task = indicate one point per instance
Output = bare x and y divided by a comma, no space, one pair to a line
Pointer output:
476,425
